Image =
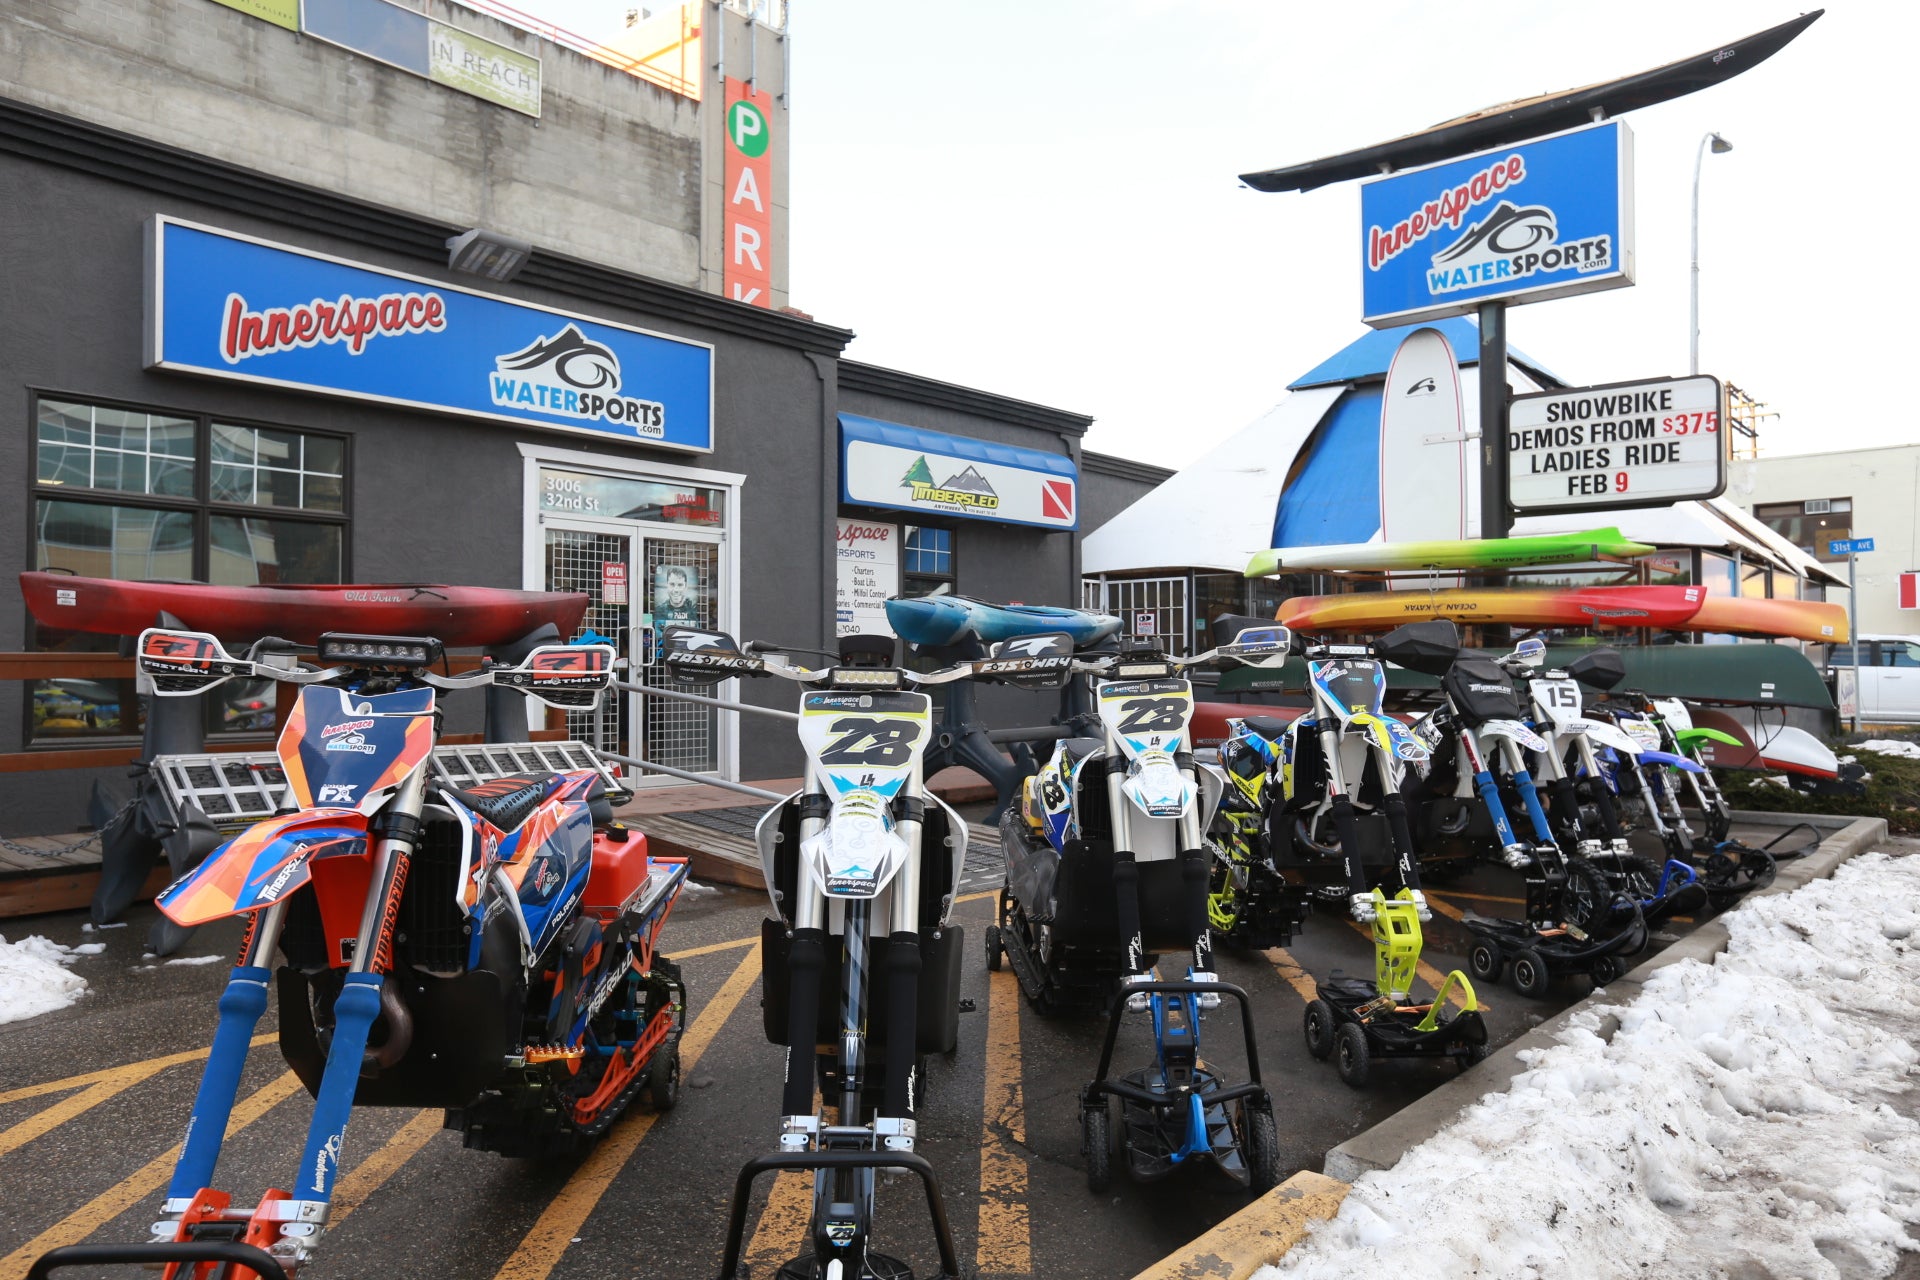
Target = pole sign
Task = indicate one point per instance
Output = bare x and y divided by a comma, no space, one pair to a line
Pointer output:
1851,547
1545,219
1627,444
229,306
747,222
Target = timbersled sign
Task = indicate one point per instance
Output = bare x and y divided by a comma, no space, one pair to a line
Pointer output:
1630,444
1544,219
229,306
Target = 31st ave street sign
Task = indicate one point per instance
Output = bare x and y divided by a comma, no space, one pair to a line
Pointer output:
1628,444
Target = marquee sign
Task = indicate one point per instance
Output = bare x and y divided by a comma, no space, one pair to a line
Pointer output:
1543,219
229,306
1629,444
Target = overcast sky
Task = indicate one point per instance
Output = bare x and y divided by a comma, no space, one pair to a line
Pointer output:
1039,198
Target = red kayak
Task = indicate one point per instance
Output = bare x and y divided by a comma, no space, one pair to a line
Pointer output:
457,616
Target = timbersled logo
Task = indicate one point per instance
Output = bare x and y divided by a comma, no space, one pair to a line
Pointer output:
964,490
568,373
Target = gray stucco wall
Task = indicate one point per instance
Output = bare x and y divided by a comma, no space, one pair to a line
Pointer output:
1107,489
611,172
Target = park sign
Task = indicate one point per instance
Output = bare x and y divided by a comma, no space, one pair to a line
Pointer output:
1524,223
1628,444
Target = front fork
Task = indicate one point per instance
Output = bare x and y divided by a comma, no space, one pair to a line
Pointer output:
1346,821
290,1227
1126,871
1512,851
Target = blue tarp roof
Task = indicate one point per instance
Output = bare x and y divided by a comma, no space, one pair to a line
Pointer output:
877,431
1369,355
1336,496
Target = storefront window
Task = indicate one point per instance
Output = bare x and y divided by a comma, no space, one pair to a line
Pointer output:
926,560
136,493
582,493
1811,525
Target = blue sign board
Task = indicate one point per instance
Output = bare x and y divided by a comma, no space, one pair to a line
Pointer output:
1855,547
1540,220
233,307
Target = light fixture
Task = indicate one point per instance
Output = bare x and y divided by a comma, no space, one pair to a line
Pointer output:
488,253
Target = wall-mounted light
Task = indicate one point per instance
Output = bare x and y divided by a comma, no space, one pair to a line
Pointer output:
488,253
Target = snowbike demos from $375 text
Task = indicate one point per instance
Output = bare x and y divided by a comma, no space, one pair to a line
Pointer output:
862,864
486,949
1107,865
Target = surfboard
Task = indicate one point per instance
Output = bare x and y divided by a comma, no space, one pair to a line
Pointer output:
1423,450
1463,553
1676,608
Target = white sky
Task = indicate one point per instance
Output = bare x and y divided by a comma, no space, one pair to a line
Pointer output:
1039,198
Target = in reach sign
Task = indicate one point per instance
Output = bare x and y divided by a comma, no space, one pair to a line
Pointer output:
1630,444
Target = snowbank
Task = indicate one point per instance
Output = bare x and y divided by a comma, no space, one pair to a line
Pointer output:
34,978
1758,1117
1891,747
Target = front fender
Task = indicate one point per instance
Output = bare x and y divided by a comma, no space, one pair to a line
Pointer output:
265,864
1606,735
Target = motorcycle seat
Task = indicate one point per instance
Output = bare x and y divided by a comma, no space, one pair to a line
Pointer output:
1269,727
505,802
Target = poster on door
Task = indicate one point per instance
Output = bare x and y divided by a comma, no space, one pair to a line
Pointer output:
866,571
613,583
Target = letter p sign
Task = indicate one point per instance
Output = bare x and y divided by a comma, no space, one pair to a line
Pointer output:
747,129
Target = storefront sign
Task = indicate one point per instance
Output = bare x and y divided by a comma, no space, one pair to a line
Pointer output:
905,468
747,224
411,41
1543,219
1630,444
867,571
281,13
232,307
584,493
613,583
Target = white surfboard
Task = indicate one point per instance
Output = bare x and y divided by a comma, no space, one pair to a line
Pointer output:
1425,451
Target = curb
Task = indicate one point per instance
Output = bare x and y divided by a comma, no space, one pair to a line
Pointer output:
1266,1229
1382,1146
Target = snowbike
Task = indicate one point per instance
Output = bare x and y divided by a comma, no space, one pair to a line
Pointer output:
1343,766
1253,900
860,960
1107,867
1478,741
1592,830
1670,746
488,949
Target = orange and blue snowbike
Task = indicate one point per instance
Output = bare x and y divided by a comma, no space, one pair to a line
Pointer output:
488,949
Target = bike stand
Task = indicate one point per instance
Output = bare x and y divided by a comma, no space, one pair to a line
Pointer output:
228,1252
778,1162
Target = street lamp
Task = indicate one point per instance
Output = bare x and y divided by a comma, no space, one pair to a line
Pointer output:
1720,147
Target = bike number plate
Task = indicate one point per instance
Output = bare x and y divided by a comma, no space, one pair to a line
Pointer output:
1559,699
1641,731
1148,715
865,741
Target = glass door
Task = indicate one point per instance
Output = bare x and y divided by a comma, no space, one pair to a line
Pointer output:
598,559
681,581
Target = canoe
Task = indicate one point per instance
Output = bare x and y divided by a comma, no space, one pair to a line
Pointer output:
1676,608
456,616
1456,553
943,620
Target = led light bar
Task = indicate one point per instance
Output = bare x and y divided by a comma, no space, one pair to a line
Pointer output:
379,651
1142,670
865,678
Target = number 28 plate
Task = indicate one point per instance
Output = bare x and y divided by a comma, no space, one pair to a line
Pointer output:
865,740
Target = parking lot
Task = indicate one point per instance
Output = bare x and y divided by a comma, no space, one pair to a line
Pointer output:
95,1098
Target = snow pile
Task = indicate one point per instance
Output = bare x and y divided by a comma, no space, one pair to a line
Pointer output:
1891,747
34,978
1758,1117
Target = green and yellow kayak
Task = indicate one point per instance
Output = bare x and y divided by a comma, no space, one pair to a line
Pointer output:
1461,553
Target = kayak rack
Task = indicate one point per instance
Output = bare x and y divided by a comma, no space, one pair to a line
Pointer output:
235,789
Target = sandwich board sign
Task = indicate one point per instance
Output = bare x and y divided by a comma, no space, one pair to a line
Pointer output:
1542,219
1626,444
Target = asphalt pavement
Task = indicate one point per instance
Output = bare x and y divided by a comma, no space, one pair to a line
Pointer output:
94,1098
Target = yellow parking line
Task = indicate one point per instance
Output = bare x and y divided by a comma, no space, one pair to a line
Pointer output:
1299,979
712,947
1004,1240
1477,897
67,1108
129,1191
1446,908
560,1222
370,1174
110,1073
782,1230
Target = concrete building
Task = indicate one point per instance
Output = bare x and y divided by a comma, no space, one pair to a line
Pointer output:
1814,498
239,352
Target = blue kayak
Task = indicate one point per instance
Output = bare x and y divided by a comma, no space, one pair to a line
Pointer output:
940,620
